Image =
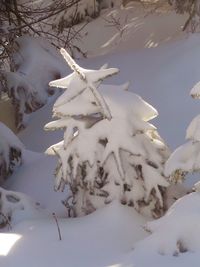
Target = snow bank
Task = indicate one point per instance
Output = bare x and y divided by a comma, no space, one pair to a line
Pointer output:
99,239
35,177
178,231
16,207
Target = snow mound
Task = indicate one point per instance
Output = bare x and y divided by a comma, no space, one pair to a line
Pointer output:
16,207
97,242
35,176
179,230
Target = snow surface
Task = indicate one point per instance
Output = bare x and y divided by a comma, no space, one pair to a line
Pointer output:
99,239
33,177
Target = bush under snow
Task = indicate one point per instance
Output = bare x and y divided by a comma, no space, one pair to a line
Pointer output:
184,236
186,158
110,150
10,152
35,63
178,231
15,207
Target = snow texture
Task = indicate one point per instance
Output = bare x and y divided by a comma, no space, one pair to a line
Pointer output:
98,242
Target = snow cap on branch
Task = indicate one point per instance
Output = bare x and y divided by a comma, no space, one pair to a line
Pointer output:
195,92
81,79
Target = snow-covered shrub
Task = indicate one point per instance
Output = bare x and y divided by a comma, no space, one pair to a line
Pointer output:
183,236
186,158
110,150
178,230
35,63
175,191
15,207
10,152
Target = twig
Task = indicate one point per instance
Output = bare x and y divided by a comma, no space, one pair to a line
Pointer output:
56,220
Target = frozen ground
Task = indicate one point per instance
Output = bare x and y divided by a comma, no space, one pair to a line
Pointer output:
162,65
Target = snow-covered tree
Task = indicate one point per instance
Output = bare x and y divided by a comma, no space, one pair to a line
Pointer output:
10,152
109,150
192,7
186,158
35,63
178,230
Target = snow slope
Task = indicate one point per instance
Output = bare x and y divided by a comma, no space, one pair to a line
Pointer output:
163,76
35,178
134,26
99,239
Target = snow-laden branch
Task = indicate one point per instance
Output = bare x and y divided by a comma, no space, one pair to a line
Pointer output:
87,79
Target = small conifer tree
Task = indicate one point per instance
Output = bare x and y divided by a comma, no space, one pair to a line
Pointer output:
109,150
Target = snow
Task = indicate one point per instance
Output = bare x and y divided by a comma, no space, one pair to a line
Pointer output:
10,137
185,158
195,92
163,76
193,130
34,57
186,211
129,28
136,142
11,152
17,207
37,173
99,239
80,80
